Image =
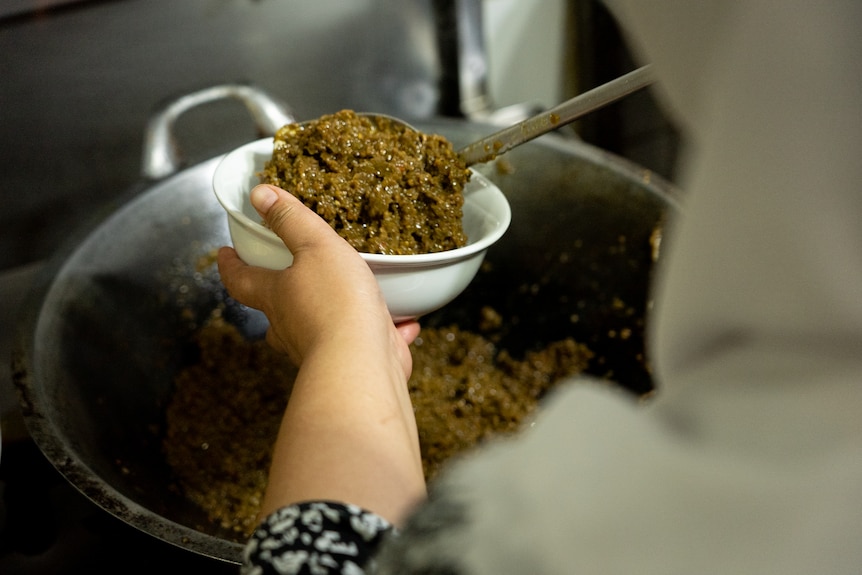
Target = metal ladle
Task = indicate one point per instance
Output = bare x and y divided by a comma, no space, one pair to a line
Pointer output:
489,147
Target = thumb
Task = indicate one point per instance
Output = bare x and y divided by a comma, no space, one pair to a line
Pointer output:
288,217
263,197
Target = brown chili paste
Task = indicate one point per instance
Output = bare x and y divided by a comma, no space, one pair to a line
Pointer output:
383,187
224,413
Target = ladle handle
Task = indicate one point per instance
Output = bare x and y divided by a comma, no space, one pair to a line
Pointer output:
490,147
160,155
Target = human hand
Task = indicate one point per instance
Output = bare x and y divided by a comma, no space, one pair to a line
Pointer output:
328,293
327,313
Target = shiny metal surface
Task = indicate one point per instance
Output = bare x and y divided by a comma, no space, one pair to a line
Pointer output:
500,142
161,151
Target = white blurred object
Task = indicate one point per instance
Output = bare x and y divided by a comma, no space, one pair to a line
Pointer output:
524,42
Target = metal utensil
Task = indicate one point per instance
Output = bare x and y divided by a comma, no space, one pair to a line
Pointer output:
489,147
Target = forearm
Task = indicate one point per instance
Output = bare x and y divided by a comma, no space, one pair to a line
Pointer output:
348,434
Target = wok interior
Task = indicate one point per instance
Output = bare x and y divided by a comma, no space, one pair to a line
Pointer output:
117,319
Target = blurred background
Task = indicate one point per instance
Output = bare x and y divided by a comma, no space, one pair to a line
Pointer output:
79,80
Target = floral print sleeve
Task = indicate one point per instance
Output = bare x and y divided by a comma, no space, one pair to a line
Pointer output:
316,537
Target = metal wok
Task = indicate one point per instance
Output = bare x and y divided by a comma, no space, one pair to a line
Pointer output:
114,317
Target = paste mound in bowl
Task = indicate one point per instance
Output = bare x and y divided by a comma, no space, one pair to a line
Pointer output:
382,186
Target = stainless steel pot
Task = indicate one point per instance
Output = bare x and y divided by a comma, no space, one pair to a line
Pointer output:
113,319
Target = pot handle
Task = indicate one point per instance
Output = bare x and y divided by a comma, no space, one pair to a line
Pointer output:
161,157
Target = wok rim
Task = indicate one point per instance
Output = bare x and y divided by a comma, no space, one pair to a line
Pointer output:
53,444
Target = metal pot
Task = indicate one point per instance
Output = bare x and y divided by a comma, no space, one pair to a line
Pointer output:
116,311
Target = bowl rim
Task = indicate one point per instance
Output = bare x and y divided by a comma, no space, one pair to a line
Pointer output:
504,218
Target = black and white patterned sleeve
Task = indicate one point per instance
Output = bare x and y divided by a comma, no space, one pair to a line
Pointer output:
317,537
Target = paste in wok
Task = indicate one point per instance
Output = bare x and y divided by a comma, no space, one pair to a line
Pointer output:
224,414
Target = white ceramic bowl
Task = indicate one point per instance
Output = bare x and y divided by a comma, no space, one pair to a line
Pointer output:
413,285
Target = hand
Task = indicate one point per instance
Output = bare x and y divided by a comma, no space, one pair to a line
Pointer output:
349,433
329,287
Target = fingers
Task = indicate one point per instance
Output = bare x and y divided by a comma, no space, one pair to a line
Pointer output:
328,287
289,218
409,330
242,281
299,228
